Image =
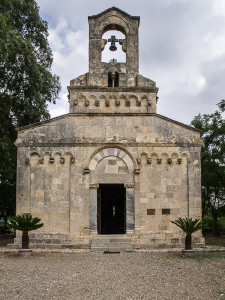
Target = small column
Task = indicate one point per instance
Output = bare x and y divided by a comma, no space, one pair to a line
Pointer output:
129,207
93,207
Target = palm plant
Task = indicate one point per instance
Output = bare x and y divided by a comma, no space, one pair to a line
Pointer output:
189,226
24,224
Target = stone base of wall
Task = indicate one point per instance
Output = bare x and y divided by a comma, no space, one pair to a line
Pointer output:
146,241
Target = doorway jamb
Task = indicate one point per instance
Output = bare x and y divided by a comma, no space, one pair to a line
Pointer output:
130,221
93,207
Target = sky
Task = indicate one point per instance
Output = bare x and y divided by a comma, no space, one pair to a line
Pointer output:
181,48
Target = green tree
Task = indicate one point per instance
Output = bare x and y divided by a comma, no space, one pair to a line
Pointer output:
189,226
26,84
24,224
213,162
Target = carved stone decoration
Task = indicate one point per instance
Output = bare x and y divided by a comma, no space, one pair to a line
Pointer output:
75,102
139,161
159,161
179,160
41,161
117,102
129,185
137,171
51,160
107,103
27,160
94,186
72,160
86,171
62,160
169,160
87,102
149,102
127,103
138,103
124,44
149,160
97,102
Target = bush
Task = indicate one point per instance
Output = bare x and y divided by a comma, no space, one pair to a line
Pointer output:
208,224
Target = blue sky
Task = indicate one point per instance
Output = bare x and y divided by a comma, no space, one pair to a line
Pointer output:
181,47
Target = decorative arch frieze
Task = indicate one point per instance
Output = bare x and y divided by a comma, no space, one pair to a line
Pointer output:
157,158
51,156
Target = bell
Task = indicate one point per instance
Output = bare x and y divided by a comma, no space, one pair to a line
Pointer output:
113,41
113,46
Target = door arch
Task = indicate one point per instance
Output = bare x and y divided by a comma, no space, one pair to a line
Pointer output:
111,166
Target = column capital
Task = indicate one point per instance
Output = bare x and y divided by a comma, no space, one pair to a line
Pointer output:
129,185
94,186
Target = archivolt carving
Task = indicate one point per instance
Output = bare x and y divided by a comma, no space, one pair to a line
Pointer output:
103,152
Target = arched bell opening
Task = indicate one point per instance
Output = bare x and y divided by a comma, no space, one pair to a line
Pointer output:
113,46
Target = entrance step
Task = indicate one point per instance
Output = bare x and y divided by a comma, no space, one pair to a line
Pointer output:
111,245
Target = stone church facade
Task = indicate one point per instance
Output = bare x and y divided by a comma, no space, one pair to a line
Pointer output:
112,170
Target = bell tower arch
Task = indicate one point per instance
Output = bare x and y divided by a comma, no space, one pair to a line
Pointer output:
113,19
113,86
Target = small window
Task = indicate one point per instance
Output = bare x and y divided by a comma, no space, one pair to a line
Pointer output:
117,80
109,79
150,211
166,211
113,79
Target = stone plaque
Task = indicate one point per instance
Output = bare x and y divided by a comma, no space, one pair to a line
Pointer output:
165,211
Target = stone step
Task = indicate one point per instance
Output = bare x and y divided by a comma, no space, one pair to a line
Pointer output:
13,246
111,245
100,242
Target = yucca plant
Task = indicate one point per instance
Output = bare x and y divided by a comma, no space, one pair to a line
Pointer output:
24,224
189,226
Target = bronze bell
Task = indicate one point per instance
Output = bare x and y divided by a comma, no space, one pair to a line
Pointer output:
113,44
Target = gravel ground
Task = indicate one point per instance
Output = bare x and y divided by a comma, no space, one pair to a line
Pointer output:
87,275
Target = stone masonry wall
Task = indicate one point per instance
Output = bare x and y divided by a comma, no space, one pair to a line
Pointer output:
163,159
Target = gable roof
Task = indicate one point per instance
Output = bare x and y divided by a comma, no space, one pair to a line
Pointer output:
116,9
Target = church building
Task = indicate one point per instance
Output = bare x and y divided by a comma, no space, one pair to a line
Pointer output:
112,173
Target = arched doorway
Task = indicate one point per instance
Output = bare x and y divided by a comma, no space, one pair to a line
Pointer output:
111,192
